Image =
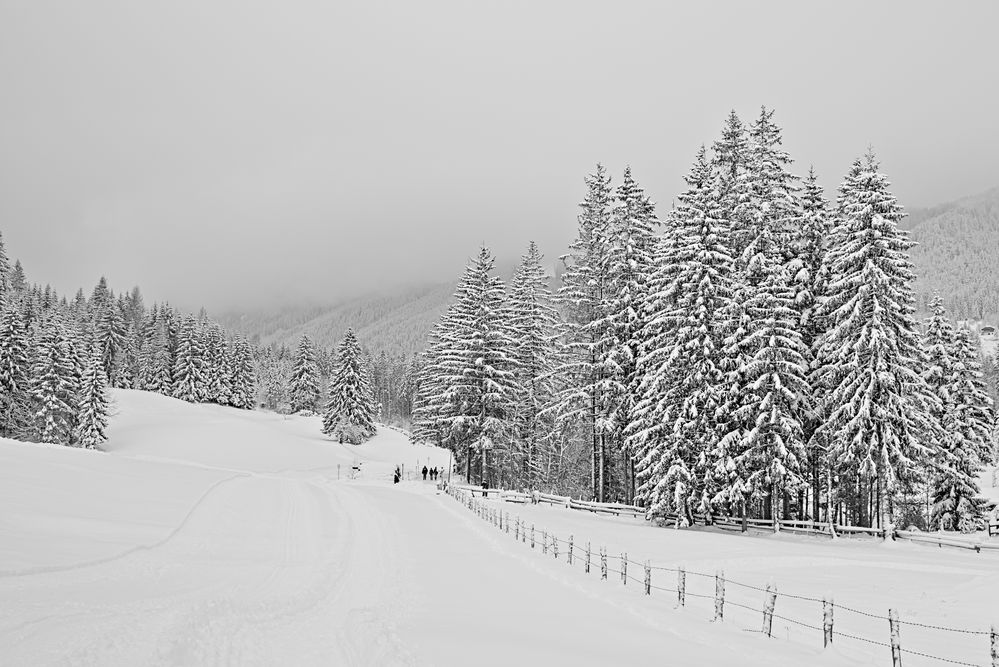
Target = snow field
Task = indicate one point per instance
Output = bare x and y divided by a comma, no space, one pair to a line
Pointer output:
213,536
926,585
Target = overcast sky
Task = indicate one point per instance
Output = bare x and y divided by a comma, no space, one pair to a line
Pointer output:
248,153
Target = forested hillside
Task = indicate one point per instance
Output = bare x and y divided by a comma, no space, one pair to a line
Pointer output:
958,254
396,323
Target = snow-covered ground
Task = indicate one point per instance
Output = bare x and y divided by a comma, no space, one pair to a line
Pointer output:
214,536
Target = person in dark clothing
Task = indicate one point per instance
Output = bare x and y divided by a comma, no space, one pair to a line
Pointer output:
425,471
396,475
433,474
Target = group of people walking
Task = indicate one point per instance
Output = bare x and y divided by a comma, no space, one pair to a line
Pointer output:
433,473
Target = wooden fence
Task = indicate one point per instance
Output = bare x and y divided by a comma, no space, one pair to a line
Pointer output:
578,551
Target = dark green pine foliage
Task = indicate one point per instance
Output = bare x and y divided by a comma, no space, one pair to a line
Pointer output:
92,404
304,377
349,414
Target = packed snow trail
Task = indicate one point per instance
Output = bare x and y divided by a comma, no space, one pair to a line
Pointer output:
210,536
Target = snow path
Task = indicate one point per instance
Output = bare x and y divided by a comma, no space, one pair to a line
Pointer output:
218,537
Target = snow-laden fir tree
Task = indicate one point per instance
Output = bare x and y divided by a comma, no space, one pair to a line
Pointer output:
92,404
534,325
870,362
243,380
632,242
966,448
481,385
218,374
304,387
683,384
6,286
15,348
809,278
431,410
349,415
585,404
938,344
188,369
53,385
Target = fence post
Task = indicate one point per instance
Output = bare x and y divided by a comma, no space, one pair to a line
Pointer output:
570,550
624,569
995,642
681,586
532,535
896,647
719,595
508,522
648,578
827,621
603,562
544,542
516,529
768,609
523,532
555,546
587,565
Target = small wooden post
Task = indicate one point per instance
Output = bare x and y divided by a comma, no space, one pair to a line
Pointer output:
719,595
555,545
587,564
896,647
995,642
544,542
681,586
768,609
648,578
516,529
508,522
523,533
624,569
532,535
603,562
570,550
827,621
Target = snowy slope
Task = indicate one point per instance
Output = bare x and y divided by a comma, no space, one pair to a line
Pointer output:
213,536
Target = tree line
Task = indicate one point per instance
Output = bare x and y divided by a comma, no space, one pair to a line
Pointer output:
752,352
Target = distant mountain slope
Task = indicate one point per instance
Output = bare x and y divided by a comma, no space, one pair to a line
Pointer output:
395,323
958,254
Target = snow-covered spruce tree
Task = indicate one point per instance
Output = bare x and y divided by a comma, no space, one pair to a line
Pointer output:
870,363
966,443
534,325
218,374
431,409
242,380
349,414
479,369
6,277
15,347
304,377
632,242
809,278
585,403
158,373
938,344
92,404
53,385
188,369
682,385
